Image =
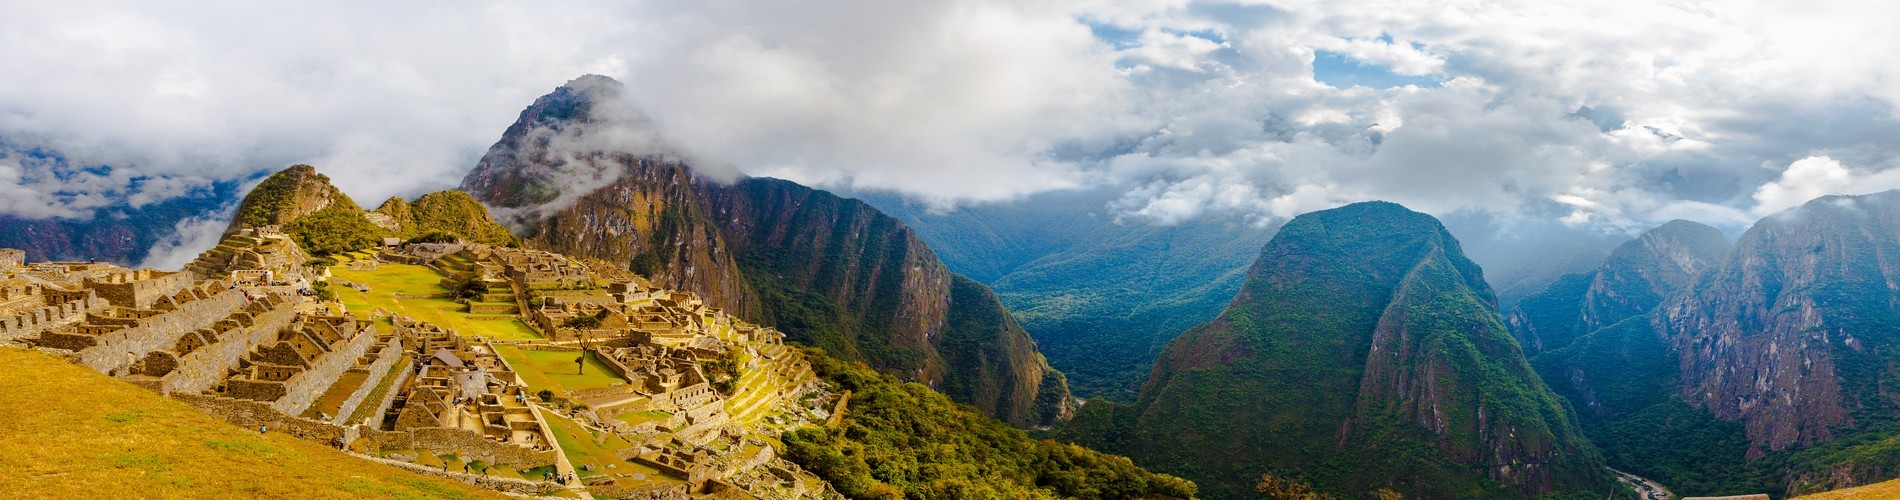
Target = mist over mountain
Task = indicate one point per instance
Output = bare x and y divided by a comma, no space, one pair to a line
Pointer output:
583,173
1365,352
1558,250
1100,295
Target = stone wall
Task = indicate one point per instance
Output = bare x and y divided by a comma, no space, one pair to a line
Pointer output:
389,397
202,369
40,319
492,307
12,257
115,350
303,389
385,359
470,444
138,289
250,414
494,483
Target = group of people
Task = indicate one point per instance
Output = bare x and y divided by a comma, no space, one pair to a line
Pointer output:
558,478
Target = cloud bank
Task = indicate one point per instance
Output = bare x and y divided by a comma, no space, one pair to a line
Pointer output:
1610,115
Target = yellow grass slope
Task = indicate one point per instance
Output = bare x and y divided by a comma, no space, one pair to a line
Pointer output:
1886,491
70,432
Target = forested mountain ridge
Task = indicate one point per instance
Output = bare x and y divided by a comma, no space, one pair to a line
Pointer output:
1364,352
1636,277
323,220
1769,369
1101,295
582,173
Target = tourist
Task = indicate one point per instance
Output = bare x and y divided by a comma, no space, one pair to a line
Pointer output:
260,429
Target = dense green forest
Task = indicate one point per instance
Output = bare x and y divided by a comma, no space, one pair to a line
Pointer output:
1359,356
903,440
1100,295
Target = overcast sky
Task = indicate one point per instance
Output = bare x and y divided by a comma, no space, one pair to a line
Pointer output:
1595,113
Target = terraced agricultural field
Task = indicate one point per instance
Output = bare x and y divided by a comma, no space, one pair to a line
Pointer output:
399,288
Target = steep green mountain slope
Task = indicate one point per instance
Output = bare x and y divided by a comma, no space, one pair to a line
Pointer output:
1589,336
1363,352
1100,296
325,221
585,174
1797,338
904,440
1773,371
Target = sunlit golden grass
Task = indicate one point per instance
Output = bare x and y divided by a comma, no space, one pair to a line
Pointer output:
70,432
1886,490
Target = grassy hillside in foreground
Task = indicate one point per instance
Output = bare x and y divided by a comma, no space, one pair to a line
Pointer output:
1889,489
71,432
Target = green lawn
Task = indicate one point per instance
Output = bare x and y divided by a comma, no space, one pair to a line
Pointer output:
555,370
643,416
581,448
390,280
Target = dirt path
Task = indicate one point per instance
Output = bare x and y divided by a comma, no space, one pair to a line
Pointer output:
1645,488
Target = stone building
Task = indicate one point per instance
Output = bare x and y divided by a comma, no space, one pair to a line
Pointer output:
28,308
137,289
12,258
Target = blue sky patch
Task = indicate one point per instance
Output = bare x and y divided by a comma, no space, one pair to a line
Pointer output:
1342,71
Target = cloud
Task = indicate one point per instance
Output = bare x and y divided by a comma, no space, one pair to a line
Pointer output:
1610,115
189,238
1817,176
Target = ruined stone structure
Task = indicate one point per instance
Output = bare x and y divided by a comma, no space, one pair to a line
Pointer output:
112,340
28,308
137,289
254,348
463,399
11,258
202,358
305,361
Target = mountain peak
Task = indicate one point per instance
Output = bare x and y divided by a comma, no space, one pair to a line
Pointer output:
287,195
1366,337
578,138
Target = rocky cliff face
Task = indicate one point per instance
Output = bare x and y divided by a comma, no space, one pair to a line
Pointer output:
1770,368
1363,352
1634,279
582,173
1795,334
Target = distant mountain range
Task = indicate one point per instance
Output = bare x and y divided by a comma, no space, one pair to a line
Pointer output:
1356,351
1770,365
119,232
1101,296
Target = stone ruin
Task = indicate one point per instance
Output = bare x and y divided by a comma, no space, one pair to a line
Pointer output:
11,258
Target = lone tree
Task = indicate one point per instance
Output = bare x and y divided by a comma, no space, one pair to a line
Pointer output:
582,322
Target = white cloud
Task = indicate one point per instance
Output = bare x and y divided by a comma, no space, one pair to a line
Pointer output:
1817,176
1205,108
189,238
